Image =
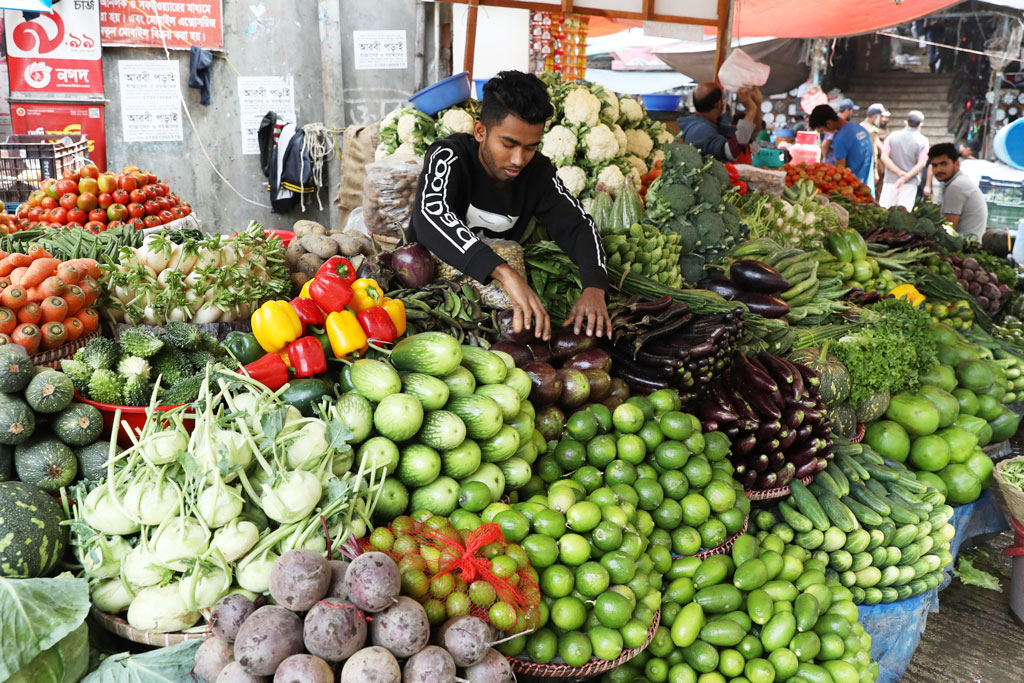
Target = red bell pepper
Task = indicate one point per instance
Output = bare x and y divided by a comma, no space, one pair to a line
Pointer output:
734,174
330,292
309,312
307,357
340,266
377,324
270,371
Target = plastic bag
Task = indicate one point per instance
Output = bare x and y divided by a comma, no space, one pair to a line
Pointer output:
741,71
389,194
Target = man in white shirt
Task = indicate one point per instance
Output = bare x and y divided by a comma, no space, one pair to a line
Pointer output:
904,155
963,204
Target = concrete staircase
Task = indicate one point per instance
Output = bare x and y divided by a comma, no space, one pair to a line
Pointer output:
902,91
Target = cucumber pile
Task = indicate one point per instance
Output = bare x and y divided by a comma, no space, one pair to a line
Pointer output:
765,613
876,528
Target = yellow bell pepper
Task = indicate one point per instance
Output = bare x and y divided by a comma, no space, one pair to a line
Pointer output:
365,294
345,333
304,292
396,311
275,324
908,292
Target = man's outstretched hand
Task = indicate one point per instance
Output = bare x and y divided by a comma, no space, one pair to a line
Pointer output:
590,313
527,309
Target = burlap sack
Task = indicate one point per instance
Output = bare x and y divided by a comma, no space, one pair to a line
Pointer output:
357,149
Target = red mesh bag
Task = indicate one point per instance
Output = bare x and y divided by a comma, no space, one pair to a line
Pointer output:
453,572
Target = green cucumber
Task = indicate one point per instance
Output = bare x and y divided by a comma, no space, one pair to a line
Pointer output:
865,497
865,515
794,518
904,535
868,456
911,483
825,480
808,505
852,464
432,353
882,473
842,481
836,511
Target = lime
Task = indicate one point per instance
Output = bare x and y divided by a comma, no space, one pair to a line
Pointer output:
695,442
646,471
589,477
650,493
561,496
631,448
721,495
641,586
671,455
511,648
456,605
661,558
603,496
482,594
612,609
686,541
676,425
732,519
518,553
620,472
435,611
514,525
570,454
592,579
628,418
716,446
411,562
962,485
620,566
698,471
582,426
606,536
575,648
549,523
731,663
603,415
606,643
414,583
502,616
583,516
659,538
557,581
644,404
713,533
542,645
382,539
656,670
541,550
933,480
664,400
491,511
626,493
601,450
695,509
547,468
651,435
568,613
668,514
441,586
632,544
404,545
573,550
394,498
529,509
474,496
675,484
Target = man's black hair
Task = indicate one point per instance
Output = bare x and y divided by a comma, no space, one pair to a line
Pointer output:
517,93
705,104
944,149
821,115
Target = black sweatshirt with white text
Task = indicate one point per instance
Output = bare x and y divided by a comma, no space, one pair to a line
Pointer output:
457,203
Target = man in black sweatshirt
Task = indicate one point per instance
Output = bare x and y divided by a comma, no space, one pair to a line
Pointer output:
490,184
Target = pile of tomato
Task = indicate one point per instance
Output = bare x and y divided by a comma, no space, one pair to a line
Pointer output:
830,179
98,201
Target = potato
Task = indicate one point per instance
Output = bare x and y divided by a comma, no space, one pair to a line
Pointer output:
268,637
293,253
324,247
371,665
466,638
305,227
337,588
432,664
212,656
347,244
304,669
299,578
373,581
493,668
403,628
334,629
234,673
310,263
229,614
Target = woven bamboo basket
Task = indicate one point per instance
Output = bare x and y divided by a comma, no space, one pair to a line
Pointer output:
122,628
531,672
52,357
777,492
1010,498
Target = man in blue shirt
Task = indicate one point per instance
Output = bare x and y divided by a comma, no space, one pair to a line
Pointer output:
851,142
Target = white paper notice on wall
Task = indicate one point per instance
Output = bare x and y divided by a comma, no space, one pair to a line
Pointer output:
150,100
380,49
258,95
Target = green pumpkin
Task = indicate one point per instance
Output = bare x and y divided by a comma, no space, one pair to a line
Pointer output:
844,419
835,379
872,407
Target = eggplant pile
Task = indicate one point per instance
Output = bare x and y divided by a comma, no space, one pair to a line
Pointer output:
660,345
754,284
771,410
568,374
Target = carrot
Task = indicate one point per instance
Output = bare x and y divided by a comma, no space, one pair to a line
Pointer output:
68,273
54,309
54,334
8,321
27,335
74,327
18,274
14,297
6,266
91,288
90,319
5,339
5,282
38,251
20,260
30,313
40,269
35,294
3,254
89,265
53,286
75,299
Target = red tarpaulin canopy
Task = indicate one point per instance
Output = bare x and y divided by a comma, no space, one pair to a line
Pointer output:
825,18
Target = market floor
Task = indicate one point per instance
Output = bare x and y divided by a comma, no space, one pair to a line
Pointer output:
973,638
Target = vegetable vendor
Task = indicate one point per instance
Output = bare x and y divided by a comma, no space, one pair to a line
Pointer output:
850,141
491,184
707,129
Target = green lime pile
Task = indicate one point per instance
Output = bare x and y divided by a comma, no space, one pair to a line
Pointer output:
765,613
881,531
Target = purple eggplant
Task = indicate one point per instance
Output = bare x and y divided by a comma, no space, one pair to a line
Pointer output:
722,286
709,411
822,429
766,480
731,431
807,469
786,474
756,276
752,375
612,402
764,305
787,437
767,430
547,385
745,445
591,359
804,449
770,446
760,462
566,344
600,384
748,426
620,389
777,368
575,388
793,417
413,265
519,352
810,377
776,460
507,331
804,432
760,402
708,426
549,422
541,352
748,478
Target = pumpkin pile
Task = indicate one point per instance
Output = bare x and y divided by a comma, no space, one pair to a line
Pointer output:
833,387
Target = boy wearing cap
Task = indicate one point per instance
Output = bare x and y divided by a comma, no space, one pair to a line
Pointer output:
828,153
904,155
876,112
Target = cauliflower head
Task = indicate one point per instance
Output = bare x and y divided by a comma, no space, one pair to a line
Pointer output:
409,149
659,155
633,176
620,137
581,107
664,138
383,151
559,145
630,112
455,121
393,115
407,128
573,177
601,144
588,205
637,163
640,142
611,179
609,104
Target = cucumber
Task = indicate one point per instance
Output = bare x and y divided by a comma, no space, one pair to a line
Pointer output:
872,595
907,575
890,594
810,540
934,497
857,541
825,481
869,456
861,561
882,473
908,500
808,505
836,511
911,554
903,515
852,464
848,471
896,465
887,529
876,487
793,518
911,483
432,353
842,481
865,515
893,555
487,367
879,556
866,498
374,380
844,448
904,536
840,560
431,391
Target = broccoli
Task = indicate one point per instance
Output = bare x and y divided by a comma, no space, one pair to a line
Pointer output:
79,373
901,219
139,341
181,335
710,190
679,197
684,154
137,391
732,222
710,227
688,236
692,267
133,366
721,174
185,391
926,226
105,386
100,353
172,365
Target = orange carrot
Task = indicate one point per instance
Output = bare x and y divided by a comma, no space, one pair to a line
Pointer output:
75,299
17,274
27,335
20,260
89,318
37,251
8,321
5,282
91,288
35,294
41,269
3,254
30,313
68,273
54,334
5,339
87,265
53,286
6,266
54,309
14,297
74,327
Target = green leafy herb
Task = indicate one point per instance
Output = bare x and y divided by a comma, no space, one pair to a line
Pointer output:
972,576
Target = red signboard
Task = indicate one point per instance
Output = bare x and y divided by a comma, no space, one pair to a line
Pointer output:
56,55
149,23
52,118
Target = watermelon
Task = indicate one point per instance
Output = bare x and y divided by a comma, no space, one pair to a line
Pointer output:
34,519
835,379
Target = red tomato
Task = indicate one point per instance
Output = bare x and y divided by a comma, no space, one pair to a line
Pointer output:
33,214
117,212
66,186
112,225
137,196
136,223
49,186
98,216
106,199
76,215
95,227
153,221
121,196
128,170
166,216
73,224
71,174
90,170
136,210
88,201
69,200
127,183
150,192
152,208
59,215
49,202
178,212
88,185
36,198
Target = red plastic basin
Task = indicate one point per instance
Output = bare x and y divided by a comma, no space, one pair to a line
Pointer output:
132,417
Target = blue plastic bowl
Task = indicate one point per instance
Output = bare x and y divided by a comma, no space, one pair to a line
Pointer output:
443,94
480,83
784,133
662,102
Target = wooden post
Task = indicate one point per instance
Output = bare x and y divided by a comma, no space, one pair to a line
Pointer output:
470,37
566,6
724,39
